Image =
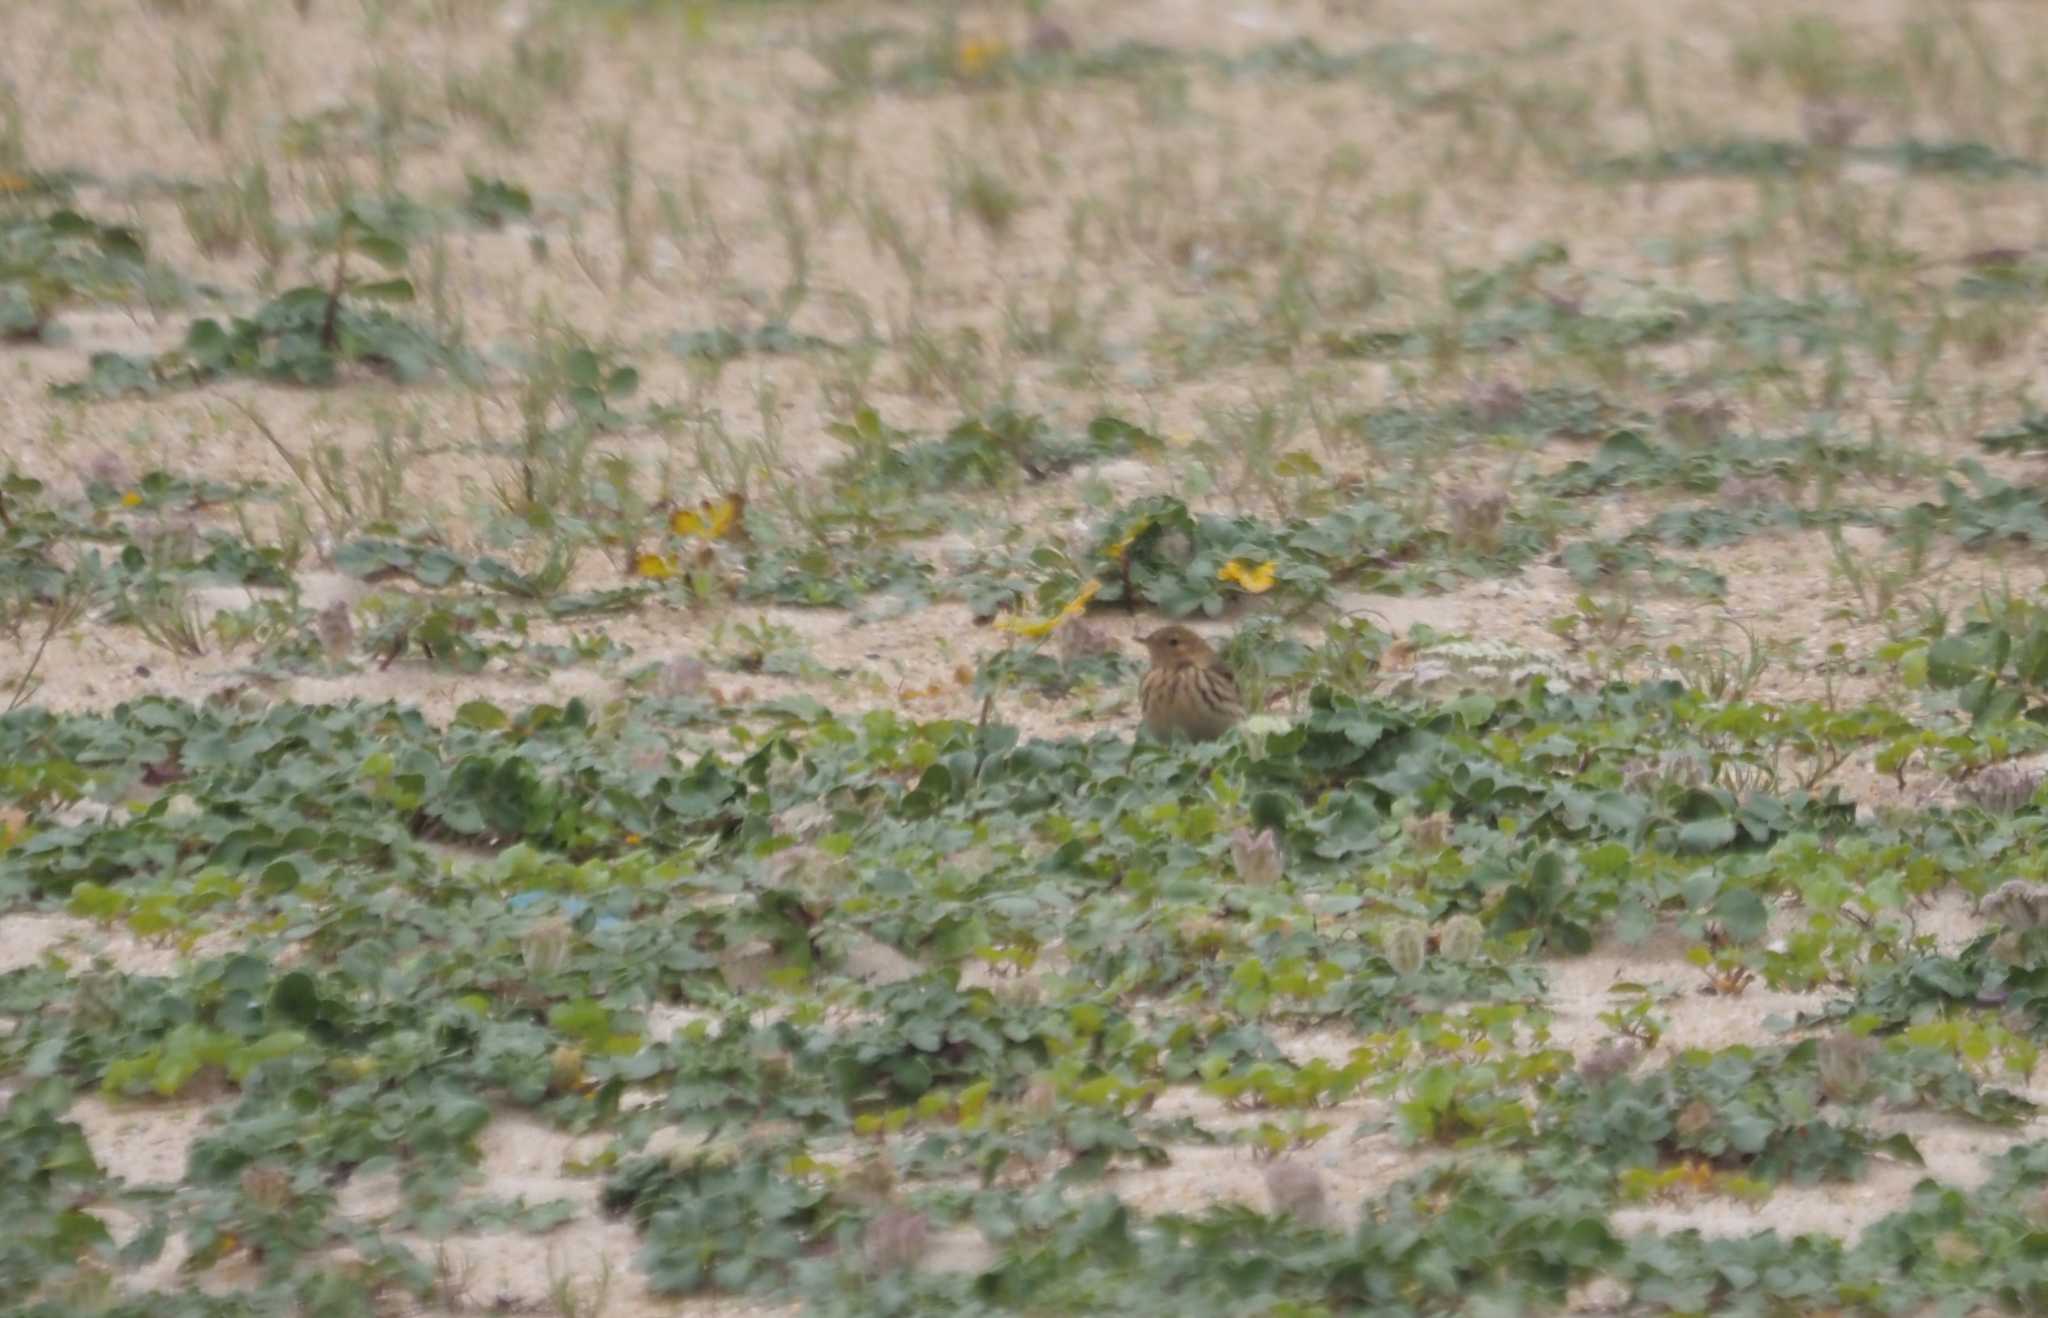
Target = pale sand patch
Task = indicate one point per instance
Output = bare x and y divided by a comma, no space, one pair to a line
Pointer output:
142,1143
712,108
590,1256
1957,1153
27,938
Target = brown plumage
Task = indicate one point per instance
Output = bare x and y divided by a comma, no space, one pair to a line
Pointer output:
1187,692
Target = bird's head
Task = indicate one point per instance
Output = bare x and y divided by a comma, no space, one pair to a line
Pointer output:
1173,645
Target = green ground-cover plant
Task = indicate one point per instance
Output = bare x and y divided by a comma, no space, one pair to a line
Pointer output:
874,1011
1777,156
63,258
608,885
304,335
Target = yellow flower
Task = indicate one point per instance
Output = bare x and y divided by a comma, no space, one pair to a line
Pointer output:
12,183
1072,609
1255,579
976,54
131,499
1117,551
708,519
652,566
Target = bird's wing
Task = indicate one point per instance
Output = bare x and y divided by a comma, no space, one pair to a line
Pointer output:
1227,682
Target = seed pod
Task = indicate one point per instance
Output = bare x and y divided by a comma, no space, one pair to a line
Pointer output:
1407,946
1844,1060
1202,935
1477,514
2017,904
2001,789
872,1180
1040,1097
545,949
565,1069
1462,937
267,1187
1427,832
1257,857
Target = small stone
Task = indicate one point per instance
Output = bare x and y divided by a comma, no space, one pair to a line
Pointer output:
1743,492
1049,38
681,676
895,1240
1496,401
1611,1060
1831,123
107,469
1081,640
1295,1190
1697,421
336,631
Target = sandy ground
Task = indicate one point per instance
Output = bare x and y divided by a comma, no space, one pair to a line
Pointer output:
1157,198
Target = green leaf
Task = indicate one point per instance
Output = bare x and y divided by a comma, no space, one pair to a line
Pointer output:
387,252
385,290
1742,913
1709,834
483,715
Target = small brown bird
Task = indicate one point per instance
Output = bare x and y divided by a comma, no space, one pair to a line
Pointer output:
1187,692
